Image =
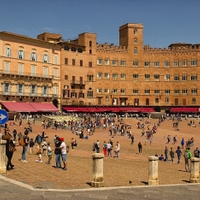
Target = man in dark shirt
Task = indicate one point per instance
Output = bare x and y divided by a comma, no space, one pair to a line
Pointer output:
57,151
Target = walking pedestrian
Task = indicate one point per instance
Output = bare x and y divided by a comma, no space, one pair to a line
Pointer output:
25,147
57,152
166,154
109,149
117,149
179,153
49,153
132,138
182,143
171,153
140,147
187,156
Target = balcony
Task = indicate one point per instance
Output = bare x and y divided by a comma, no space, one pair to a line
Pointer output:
6,74
28,94
79,83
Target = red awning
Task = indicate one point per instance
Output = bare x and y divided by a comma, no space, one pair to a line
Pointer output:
19,107
82,109
115,110
75,109
44,107
134,110
92,109
69,109
146,110
129,109
183,110
101,109
123,109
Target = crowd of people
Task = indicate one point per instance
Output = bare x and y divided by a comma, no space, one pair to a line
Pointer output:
86,128
15,138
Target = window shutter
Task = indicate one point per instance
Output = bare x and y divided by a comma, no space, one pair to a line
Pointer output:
24,55
22,89
9,88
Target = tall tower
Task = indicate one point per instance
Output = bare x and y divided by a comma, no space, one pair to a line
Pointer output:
131,36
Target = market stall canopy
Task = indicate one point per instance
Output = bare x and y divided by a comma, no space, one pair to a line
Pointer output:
29,107
44,107
18,107
184,110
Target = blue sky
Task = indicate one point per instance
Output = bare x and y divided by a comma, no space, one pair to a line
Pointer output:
165,21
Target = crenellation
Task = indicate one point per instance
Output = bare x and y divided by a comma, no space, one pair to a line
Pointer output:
83,60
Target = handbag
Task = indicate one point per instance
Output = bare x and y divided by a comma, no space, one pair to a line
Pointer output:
6,137
11,148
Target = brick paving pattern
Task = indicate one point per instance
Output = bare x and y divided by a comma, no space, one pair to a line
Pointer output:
130,169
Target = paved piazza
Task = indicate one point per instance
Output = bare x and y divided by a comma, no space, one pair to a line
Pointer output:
130,169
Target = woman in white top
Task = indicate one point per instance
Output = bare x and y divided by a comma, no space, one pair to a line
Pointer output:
117,149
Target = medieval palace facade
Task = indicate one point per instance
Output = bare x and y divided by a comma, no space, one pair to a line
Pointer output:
82,72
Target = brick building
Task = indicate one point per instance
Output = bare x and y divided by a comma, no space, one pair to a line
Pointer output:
81,72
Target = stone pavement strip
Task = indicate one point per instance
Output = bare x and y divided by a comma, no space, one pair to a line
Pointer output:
15,190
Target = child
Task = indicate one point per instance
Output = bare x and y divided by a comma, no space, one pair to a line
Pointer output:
39,153
49,153
39,158
31,144
44,147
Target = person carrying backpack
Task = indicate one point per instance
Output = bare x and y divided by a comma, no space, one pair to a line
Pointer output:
187,156
38,141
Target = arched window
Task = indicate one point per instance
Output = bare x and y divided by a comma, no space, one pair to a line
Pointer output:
135,51
80,50
45,57
156,100
33,56
73,49
8,51
90,77
66,48
90,93
21,54
90,43
135,31
135,40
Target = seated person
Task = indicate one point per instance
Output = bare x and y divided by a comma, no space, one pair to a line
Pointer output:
39,158
12,123
161,157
